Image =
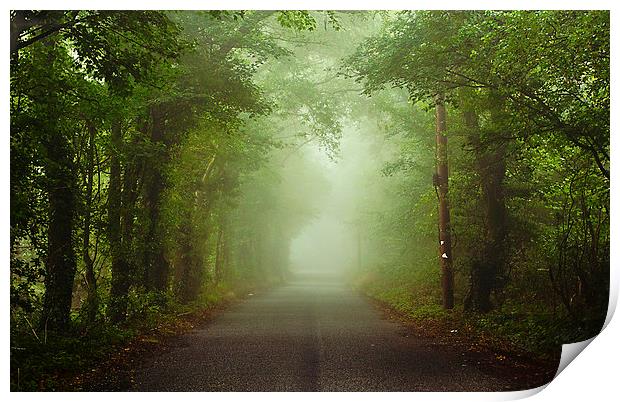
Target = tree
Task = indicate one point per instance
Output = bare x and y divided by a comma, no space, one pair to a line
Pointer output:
441,183
523,62
41,46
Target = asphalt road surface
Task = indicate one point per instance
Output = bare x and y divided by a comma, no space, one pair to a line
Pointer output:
312,334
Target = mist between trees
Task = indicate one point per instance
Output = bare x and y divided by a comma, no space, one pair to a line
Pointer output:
169,159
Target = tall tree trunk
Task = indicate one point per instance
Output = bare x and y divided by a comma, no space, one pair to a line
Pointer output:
184,263
189,273
92,302
219,252
359,247
154,259
441,181
61,258
226,254
61,186
119,287
489,263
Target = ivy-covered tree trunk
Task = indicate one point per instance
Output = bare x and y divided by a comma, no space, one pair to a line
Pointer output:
189,272
488,265
119,287
92,301
61,257
155,263
61,190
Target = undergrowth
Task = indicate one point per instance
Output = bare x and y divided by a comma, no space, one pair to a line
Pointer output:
40,360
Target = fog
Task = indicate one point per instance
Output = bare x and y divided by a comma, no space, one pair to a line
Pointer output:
333,242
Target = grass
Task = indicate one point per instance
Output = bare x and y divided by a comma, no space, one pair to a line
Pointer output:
527,327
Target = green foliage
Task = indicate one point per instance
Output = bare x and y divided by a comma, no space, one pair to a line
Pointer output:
299,20
537,87
199,122
551,70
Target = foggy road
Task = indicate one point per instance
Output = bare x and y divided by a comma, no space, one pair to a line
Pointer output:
312,334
